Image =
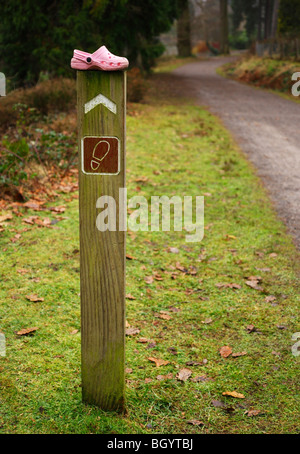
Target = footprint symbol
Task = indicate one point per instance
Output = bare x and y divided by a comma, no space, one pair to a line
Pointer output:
99,153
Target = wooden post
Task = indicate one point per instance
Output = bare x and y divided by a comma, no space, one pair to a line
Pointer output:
2,85
101,124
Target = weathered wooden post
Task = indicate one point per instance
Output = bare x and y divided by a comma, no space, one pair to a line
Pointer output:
2,85
101,124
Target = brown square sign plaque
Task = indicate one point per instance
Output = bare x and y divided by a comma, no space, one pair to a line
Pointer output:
100,155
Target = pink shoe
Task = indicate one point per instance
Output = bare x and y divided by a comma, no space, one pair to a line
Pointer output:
101,59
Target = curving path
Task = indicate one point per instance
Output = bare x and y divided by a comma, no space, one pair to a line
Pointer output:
265,125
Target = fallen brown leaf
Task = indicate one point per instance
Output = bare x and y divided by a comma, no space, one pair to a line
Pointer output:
228,285
234,394
30,220
6,217
253,412
43,222
15,238
141,179
254,278
130,297
165,377
22,271
193,271
235,355
158,362
151,345
259,253
230,237
195,422
181,268
58,209
238,286
33,205
144,340
25,331
254,284
174,309
200,378
34,298
149,279
67,188
36,279
225,351
184,374
131,331
270,298
164,315
250,328
193,363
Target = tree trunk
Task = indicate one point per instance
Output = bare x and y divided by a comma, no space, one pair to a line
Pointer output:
224,26
275,18
259,21
183,29
268,18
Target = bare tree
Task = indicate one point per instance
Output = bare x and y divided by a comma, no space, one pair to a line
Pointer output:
268,18
183,29
275,18
224,26
201,18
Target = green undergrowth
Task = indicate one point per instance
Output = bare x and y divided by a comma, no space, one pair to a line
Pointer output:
263,72
188,300
167,64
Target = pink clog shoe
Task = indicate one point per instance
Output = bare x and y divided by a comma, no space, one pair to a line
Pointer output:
101,59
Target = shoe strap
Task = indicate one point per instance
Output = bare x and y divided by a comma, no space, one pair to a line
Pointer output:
82,56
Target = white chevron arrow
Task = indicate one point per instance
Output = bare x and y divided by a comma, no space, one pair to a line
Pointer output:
100,99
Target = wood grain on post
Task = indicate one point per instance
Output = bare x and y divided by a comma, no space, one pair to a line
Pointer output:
101,114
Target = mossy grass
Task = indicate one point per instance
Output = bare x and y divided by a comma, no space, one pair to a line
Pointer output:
265,73
172,149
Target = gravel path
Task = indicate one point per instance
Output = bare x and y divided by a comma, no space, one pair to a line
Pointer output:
265,125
